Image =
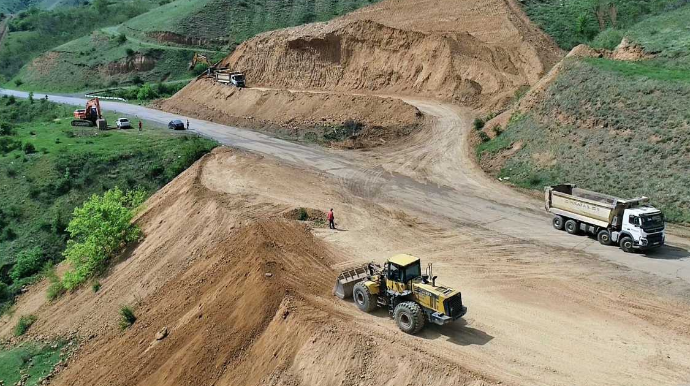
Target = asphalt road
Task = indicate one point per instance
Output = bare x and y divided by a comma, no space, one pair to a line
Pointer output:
471,200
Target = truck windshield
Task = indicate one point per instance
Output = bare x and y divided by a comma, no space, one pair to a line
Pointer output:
652,221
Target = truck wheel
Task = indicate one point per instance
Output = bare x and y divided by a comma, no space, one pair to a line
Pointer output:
409,317
571,227
558,222
604,237
627,244
363,298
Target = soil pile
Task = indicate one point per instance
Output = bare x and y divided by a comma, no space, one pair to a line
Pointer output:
459,51
296,114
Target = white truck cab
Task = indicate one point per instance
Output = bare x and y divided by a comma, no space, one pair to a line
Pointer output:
644,225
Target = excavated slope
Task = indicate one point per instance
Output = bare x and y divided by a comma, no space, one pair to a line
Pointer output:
244,294
464,51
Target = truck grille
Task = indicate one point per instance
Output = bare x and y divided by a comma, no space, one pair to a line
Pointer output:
654,239
453,306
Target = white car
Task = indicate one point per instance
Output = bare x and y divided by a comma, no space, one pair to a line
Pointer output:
123,123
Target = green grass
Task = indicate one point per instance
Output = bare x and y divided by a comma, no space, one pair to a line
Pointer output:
39,191
35,360
23,324
575,22
493,146
641,70
230,22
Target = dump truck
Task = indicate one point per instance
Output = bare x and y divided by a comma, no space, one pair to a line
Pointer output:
413,298
231,78
631,224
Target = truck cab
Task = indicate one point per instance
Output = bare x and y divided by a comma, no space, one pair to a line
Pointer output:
644,225
237,79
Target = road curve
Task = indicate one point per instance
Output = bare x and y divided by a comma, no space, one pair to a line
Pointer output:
460,193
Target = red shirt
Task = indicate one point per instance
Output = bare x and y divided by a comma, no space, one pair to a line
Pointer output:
330,215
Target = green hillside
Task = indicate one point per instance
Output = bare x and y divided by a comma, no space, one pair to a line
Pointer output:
230,22
618,127
575,22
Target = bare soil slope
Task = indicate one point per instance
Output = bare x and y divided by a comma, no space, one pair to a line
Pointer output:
463,51
296,113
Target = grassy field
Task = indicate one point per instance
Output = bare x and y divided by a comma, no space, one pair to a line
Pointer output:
83,64
33,359
617,127
41,183
575,22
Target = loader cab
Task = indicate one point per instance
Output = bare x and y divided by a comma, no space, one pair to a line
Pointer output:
400,270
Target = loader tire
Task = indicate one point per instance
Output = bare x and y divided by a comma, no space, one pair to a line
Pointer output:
364,300
409,317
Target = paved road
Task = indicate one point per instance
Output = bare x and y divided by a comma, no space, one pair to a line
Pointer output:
472,199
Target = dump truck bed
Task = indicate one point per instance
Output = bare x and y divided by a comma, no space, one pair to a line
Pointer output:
584,205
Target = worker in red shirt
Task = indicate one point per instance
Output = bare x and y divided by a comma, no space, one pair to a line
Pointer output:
331,219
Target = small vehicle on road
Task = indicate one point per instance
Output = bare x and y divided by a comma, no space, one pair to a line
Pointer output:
123,123
176,124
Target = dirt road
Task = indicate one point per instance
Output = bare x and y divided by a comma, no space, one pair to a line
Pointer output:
433,175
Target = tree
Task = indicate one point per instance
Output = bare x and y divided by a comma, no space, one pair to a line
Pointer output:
101,6
98,230
146,92
31,97
29,262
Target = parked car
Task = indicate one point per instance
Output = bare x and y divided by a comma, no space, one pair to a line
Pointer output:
123,123
176,124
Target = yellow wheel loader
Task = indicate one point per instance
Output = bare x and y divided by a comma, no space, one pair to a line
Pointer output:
412,298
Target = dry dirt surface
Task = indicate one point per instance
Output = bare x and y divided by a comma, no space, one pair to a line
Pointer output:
245,295
472,52
293,113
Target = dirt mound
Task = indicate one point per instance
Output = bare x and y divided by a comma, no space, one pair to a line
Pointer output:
298,114
379,50
630,51
246,301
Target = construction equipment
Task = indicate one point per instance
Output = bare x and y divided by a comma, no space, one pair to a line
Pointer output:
90,116
226,77
412,298
631,224
199,59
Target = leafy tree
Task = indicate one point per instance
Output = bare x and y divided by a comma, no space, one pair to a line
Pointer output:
98,230
146,92
29,148
29,262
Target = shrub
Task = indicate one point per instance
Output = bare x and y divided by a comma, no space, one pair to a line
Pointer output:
127,317
121,39
302,215
31,97
29,148
498,130
4,292
6,129
200,68
18,82
29,262
23,324
146,92
96,286
478,124
608,39
98,230
129,52
8,234
55,289
484,137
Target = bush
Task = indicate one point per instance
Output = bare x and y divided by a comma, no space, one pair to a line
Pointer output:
96,286
127,317
23,324
608,39
18,82
200,68
55,289
98,230
8,234
121,39
6,129
478,124
29,148
302,215
498,130
29,262
4,292
484,137
129,52
146,92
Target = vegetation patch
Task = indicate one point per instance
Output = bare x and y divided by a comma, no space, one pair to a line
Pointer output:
40,190
29,363
23,324
127,317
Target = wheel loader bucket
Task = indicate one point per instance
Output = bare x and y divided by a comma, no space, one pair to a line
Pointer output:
346,281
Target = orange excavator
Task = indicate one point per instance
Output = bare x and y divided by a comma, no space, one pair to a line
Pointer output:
90,116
